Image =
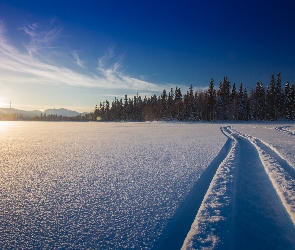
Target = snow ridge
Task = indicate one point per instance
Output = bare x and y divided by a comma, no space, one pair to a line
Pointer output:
211,227
280,172
286,129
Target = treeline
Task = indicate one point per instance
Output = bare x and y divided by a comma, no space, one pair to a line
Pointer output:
12,117
228,102
55,117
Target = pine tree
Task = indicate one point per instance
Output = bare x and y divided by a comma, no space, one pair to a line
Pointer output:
196,101
121,110
270,99
247,115
178,95
130,109
241,104
233,103
191,104
211,101
139,106
201,105
178,104
186,106
287,102
107,111
292,102
278,98
170,103
102,111
126,109
259,108
223,99
163,105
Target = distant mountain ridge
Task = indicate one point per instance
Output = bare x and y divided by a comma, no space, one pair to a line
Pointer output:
62,111
30,114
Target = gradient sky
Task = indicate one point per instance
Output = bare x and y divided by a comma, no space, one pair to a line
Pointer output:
75,54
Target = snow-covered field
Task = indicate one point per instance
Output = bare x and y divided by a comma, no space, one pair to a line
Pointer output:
147,186
97,185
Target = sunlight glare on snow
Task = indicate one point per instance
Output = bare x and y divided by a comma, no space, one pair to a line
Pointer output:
4,125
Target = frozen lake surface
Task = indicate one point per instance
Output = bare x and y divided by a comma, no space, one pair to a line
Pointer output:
97,185
147,185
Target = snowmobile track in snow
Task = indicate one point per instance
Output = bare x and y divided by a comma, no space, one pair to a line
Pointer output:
250,203
270,179
286,129
175,232
280,172
212,225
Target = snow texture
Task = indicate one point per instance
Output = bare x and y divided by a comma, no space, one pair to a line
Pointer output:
97,185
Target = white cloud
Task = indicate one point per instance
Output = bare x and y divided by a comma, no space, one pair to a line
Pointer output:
109,53
41,35
78,61
31,66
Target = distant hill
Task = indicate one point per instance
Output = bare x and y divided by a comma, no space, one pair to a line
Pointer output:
30,114
25,113
61,111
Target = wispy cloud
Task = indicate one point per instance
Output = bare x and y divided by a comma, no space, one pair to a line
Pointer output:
109,53
78,61
41,35
31,66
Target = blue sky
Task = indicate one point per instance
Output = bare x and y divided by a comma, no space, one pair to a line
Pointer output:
75,54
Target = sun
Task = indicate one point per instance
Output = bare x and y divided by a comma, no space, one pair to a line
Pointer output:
4,103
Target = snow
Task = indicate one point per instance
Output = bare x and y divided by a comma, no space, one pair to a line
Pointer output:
97,185
147,185
214,213
274,136
286,129
280,172
256,185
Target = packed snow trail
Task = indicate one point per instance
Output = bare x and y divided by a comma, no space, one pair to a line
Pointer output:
213,225
242,209
280,172
286,129
261,220
174,233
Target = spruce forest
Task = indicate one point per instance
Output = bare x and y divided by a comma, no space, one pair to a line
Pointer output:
273,102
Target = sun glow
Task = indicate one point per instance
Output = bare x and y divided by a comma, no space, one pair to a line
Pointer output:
5,125
4,103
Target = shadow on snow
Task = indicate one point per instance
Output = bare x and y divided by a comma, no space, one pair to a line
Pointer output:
176,230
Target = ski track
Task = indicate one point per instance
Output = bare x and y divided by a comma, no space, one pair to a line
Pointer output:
286,129
213,217
280,172
174,233
250,203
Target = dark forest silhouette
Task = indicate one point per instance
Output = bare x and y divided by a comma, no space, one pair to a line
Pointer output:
225,103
